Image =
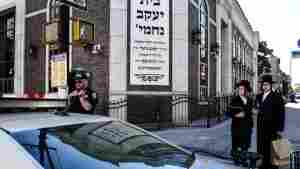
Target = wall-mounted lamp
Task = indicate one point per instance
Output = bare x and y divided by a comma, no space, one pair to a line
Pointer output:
97,48
32,51
196,37
93,48
214,49
234,61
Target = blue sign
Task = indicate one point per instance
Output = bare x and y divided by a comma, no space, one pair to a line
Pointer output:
298,43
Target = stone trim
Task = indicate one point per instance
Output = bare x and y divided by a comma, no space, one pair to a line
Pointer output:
42,11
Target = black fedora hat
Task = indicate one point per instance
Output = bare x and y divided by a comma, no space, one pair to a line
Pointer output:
246,84
267,78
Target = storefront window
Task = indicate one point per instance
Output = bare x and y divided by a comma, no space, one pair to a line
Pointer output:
241,50
7,50
199,48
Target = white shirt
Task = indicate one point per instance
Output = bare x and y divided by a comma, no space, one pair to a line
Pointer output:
244,99
265,95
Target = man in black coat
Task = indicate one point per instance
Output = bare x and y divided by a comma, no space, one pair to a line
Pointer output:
242,121
270,121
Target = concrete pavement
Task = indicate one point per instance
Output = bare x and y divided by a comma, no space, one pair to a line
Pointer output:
216,141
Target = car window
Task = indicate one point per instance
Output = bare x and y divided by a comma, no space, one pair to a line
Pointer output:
107,145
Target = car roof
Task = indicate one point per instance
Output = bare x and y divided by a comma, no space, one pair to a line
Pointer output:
13,155
15,122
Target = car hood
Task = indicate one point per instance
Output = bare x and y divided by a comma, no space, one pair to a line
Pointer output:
208,162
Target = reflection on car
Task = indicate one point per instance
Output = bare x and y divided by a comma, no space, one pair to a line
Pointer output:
100,145
78,141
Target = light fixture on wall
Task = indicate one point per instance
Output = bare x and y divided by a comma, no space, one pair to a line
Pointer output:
234,61
32,50
96,49
93,48
196,37
214,49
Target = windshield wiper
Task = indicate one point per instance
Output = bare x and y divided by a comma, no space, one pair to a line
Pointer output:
43,147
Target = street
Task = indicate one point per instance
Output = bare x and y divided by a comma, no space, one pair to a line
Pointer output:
216,141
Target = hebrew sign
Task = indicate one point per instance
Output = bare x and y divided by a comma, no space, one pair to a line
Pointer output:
149,42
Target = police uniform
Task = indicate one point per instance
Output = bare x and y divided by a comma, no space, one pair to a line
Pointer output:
75,105
74,101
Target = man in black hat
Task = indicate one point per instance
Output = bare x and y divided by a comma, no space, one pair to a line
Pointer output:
82,99
270,120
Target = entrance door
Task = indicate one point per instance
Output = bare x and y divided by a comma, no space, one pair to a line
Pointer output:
149,111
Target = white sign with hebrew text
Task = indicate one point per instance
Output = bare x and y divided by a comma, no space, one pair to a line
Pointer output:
149,42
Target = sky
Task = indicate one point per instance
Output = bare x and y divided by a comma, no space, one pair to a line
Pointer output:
278,23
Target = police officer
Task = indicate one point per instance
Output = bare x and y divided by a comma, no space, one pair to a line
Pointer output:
82,99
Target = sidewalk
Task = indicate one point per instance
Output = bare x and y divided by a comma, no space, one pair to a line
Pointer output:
215,141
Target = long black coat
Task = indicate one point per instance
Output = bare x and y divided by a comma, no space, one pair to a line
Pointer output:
236,106
271,117
241,128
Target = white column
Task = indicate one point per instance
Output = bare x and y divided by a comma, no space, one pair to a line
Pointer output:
180,46
255,49
219,59
19,47
180,53
118,52
229,59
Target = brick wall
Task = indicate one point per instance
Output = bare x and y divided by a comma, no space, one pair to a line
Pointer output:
98,13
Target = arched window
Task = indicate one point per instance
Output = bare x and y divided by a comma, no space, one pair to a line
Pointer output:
203,11
204,31
199,49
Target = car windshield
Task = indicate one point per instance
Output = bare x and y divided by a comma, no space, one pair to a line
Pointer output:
101,145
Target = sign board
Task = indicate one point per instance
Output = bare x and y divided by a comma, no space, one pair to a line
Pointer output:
80,4
51,32
59,70
83,31
149,43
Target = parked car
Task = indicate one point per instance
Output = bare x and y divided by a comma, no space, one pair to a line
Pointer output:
77,141
297,98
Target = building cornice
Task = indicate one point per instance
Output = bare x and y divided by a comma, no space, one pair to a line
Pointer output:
7,5
239,9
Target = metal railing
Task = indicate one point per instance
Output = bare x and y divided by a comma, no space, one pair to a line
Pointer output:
177,111
6,85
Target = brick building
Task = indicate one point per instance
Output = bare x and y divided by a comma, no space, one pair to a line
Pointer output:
150,50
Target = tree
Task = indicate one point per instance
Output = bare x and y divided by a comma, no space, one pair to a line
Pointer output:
297,89
263,64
